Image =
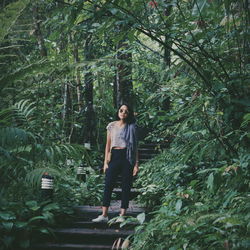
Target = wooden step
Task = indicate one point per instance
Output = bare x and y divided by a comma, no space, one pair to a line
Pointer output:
153,145
88,236
149,145
148,150
102,225
90,212
85,236
64,246
147,156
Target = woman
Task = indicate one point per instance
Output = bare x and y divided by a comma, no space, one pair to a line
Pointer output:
122,144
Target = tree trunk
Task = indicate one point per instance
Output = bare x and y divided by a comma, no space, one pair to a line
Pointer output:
67,109
167,56
78,79
246,42
88,94
167,52
115,86
37,31
123,80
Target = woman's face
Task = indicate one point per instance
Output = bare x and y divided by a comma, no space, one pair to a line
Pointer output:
123,112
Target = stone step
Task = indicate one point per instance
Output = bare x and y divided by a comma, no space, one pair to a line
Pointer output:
147,156
63,246
82,233
102,225
153,146
88,236
149,145
88,213
147,151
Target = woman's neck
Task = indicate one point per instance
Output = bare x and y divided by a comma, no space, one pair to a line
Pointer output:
121,123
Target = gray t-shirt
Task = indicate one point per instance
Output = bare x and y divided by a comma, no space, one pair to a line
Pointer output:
115,134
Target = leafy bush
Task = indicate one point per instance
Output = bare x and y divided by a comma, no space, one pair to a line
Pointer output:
205,207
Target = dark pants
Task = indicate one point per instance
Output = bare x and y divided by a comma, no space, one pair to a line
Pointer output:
118,165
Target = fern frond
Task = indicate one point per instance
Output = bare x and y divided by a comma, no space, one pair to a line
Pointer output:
23,72
24,109
9,15
6,117
11,137
19,114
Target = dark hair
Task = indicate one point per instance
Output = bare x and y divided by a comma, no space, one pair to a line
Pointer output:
131,118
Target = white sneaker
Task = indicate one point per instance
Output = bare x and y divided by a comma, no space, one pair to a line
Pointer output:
101,218
120,219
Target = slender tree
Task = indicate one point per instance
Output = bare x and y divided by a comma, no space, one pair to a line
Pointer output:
37,30
123,87
67,109
88,92
77,72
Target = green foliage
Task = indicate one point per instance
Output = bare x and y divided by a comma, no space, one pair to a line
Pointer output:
194,208
197,189
9,15
20,220
69,190
22,150
25,156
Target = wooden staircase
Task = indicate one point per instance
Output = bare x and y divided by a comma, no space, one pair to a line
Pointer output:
82,233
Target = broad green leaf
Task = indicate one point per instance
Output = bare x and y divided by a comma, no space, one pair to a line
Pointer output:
52,206
210,182
7,216
20,224
178,205
141,217
36,218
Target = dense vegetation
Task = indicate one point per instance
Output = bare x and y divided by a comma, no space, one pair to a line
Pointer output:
183,65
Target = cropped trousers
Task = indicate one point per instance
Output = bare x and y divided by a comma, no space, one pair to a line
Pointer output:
118,165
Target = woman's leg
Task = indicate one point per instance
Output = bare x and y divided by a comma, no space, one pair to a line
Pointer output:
105,211
123,211
127,178
110,179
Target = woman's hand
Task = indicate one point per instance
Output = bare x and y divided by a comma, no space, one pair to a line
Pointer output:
105,167
136,169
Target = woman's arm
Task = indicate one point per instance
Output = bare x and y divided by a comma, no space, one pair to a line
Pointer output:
107,149
136,167
137,156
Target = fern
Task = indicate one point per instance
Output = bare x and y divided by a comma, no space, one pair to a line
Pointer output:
9,15
20,150
21,73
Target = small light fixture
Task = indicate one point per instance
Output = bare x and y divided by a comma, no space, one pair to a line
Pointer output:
82,172
47,186
87,145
